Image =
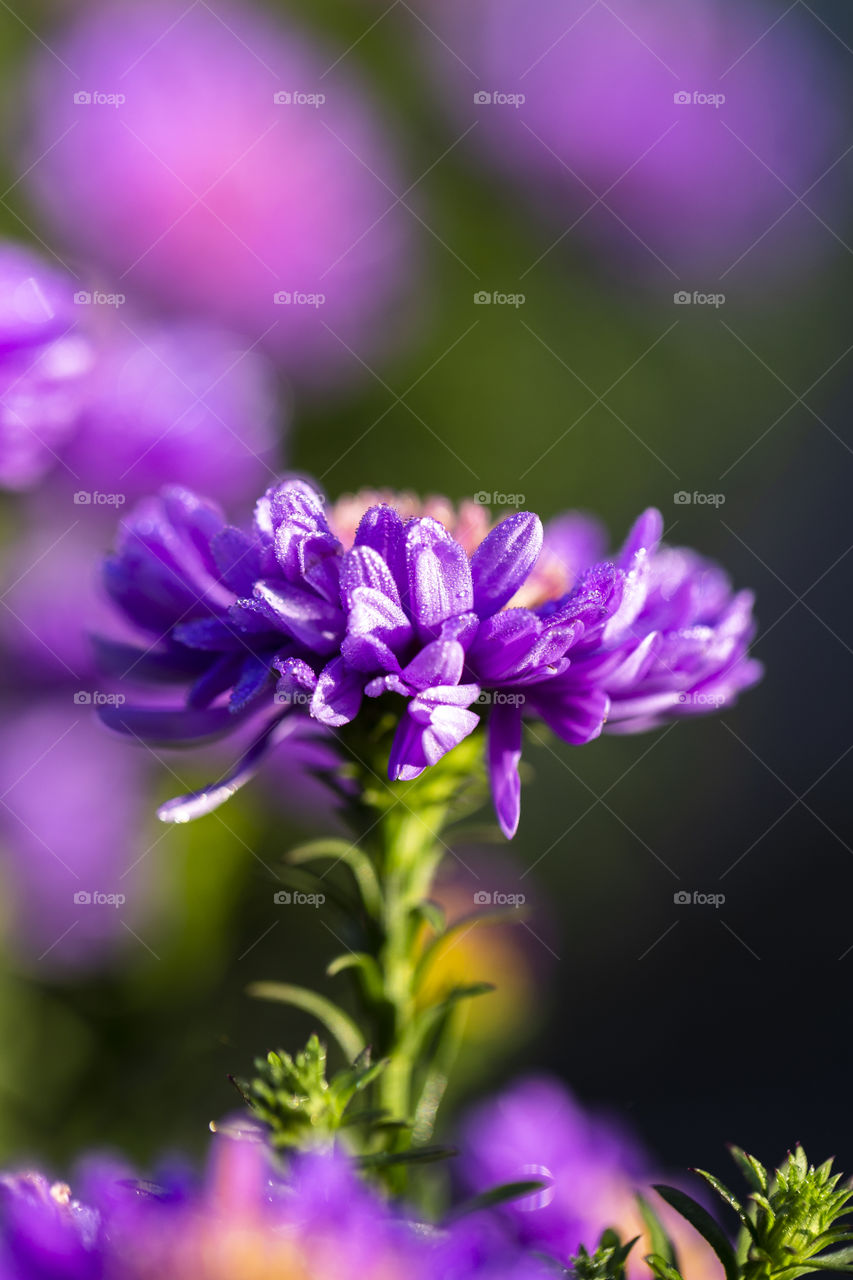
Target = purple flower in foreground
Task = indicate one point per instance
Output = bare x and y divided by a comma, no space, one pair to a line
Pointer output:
516,623
592,1170
245,1222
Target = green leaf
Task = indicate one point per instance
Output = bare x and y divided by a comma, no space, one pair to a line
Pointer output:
506,1192
416,1155
355,859
368,967
753,1170
450,936
662,1269
661,1243
708,1227
340,1024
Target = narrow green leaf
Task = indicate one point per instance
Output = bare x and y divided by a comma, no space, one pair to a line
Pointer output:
660,1240
355,859
708,1227
753,1170
661,1268
368,967
495,1196
416,1155
340,1024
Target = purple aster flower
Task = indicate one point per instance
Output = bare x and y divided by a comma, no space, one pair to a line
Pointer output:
592,1169
698,125
245,1221
43,364
410,611
244,174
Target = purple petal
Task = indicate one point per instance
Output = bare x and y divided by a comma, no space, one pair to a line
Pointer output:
337,696
308,619
168,725
504,754
218,677
197,803
237,560
439,663
255,677
440,584
364,567
644,536
421,742
213,635
128,661
382,530
503,561
376,628
576,717
575,541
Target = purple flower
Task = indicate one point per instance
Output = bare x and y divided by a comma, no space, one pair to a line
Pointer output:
407,611
591,1169
697,125
110,407
244,1221
243,175
43,365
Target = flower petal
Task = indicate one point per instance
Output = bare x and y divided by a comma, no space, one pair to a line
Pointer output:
197,803
503,561
337,696
504,754
440,584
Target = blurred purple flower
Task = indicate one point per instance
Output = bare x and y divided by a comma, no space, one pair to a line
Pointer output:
246,1221
43,364
111,408
237,164
680,134
72,822
407,611
591,1168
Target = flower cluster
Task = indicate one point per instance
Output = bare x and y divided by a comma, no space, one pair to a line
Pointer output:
450,625
245,1223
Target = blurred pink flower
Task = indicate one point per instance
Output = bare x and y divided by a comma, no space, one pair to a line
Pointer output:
219,162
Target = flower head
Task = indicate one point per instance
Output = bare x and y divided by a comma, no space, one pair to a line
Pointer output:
411,615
